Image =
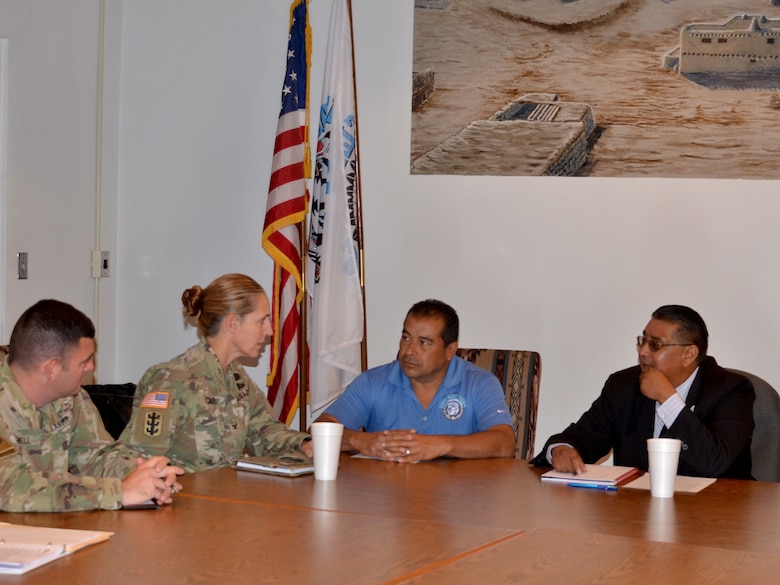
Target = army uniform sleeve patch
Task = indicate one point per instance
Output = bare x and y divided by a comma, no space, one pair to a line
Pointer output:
155,400
153,423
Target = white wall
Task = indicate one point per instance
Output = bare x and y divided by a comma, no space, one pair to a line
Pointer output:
570,267
201,87
51,153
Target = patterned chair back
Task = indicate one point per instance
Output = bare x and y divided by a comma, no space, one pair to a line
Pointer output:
519,373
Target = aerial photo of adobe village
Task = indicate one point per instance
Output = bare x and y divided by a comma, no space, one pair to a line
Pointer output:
600,88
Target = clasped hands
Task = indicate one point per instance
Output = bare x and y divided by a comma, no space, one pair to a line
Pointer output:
152,479
402,446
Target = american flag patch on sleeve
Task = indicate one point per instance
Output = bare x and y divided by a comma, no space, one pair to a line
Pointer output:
155,400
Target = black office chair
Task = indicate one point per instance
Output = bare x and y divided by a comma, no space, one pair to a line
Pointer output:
765,448
519,373
114,403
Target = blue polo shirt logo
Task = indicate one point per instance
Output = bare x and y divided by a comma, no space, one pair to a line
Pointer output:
453,406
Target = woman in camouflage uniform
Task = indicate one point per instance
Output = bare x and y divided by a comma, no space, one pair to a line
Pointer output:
201,409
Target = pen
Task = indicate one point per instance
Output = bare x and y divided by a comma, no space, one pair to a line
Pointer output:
594,486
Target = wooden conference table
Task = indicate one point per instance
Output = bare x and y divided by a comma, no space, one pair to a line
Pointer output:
483,521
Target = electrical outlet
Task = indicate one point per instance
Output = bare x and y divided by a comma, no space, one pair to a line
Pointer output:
21,266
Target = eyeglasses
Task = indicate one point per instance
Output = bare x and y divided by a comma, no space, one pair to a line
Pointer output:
655,345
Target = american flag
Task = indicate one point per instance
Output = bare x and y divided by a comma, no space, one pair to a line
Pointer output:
155,400
288,200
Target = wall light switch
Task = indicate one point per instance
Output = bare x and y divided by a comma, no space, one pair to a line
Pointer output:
21,266
100,264
104,265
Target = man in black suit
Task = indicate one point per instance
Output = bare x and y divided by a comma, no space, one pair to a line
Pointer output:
676,391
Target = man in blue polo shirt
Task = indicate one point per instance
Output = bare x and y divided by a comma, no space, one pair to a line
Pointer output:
427,403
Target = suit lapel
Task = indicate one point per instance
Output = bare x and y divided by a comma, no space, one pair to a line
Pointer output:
694,394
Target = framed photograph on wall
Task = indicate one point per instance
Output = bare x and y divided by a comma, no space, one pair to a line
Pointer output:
601,88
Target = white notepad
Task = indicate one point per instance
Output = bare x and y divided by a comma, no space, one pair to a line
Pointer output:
596,474
23,548
287,466
683,484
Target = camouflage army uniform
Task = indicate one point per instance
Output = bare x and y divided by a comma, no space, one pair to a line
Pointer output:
201,416
58,457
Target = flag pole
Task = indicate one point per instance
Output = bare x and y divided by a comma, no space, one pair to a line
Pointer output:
359,198
303,344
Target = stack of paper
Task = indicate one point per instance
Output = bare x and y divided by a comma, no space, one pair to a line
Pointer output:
23,548
682,483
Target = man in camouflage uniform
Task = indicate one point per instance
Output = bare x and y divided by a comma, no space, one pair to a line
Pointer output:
203,416
55,454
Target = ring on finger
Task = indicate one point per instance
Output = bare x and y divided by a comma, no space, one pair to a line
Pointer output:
408,451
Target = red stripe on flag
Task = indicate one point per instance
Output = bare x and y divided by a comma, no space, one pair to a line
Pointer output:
289,138
286,175
287,248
